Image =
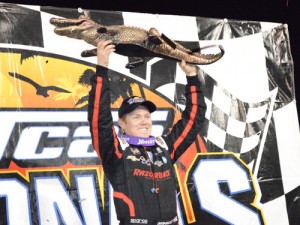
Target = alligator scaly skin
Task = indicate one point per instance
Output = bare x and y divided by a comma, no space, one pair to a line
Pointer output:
127,38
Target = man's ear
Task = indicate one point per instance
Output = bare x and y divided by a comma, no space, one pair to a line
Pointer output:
121,123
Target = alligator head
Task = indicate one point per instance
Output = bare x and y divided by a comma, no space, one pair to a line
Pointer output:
130,41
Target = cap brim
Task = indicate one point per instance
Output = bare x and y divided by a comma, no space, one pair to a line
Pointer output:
148,104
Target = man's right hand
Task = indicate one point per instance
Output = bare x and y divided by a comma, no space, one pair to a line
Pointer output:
104,48
188,69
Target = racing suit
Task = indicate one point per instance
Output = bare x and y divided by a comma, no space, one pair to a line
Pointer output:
144,187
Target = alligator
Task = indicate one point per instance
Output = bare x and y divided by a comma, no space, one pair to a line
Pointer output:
134,42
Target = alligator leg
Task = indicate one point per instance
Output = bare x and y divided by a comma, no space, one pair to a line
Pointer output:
137,61
168,41
89,53
154,39
102,30
154,36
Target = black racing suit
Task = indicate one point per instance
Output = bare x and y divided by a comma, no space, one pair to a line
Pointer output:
129,169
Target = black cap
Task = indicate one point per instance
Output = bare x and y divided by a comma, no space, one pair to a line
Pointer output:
131,103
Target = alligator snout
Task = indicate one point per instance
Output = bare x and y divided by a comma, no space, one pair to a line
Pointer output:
59,22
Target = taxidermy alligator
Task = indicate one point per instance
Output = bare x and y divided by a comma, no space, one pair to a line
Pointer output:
130,41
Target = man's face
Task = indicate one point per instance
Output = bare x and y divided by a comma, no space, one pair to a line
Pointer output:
137,123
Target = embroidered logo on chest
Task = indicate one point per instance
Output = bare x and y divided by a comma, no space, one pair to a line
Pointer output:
141,159
135,151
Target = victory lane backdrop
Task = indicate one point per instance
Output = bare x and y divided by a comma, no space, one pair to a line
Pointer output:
242,169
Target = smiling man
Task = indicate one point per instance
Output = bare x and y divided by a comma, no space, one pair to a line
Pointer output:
135,116
140,166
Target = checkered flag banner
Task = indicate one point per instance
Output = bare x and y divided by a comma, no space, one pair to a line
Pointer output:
237,126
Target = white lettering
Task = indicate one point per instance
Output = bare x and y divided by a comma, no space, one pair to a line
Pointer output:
88,199
207,176
80,146
30,140
139,221
145,142
54,201
175,219
9,120
17,202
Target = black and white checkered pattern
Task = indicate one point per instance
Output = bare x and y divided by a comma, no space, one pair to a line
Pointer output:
234,125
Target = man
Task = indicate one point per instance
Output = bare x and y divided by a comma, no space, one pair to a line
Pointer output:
138,165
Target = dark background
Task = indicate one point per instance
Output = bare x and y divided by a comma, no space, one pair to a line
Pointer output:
281,11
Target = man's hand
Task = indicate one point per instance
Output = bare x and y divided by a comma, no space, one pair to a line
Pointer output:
104,48
189,69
